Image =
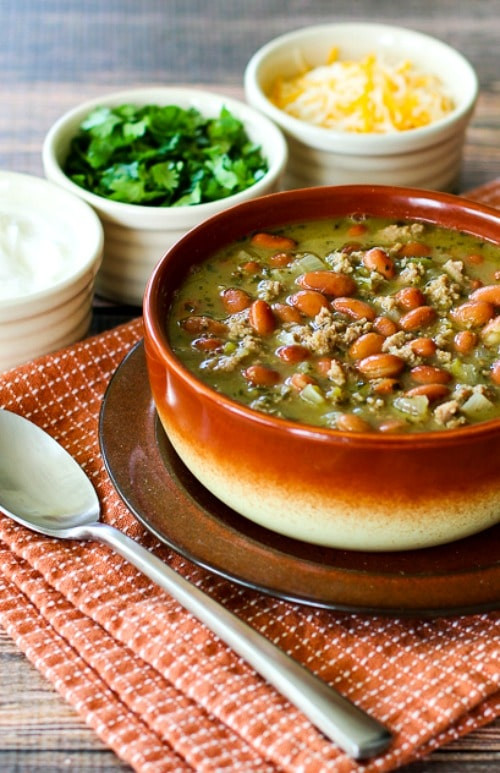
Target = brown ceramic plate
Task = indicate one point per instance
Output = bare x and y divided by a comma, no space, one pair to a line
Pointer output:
457,578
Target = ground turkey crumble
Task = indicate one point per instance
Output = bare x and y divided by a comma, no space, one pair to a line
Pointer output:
269,289
342,262
412,273
396,233
399,344
448,414
442,292
329,333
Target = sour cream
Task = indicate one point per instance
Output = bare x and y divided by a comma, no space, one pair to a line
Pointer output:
33,254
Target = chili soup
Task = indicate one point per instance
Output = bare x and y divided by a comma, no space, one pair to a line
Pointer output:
354,324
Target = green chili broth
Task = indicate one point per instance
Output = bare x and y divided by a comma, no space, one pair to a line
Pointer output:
359,324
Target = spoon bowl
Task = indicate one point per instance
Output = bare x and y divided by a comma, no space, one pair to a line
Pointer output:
43,488
41,485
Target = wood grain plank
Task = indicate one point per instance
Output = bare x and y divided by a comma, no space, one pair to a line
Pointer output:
39,727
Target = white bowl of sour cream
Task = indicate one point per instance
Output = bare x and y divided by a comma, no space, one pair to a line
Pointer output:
51,247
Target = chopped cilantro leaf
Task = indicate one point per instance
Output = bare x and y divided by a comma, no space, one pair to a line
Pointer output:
163,155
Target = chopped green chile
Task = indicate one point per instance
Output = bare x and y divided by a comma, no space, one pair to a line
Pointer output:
302,351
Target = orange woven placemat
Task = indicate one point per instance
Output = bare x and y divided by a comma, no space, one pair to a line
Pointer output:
163,692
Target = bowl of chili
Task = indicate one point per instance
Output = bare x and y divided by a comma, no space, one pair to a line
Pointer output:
326,362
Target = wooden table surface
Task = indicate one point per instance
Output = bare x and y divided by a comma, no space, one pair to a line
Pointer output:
54,54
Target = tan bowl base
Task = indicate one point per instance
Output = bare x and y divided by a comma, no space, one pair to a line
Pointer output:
350,522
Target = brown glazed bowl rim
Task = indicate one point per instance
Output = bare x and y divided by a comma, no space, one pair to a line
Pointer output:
456,212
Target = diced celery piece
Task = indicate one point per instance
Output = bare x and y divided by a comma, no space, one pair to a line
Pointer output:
463,371
414,408
243,256
364,281
282,274
308,262
302,265
335,394
286,337
312,394
476,405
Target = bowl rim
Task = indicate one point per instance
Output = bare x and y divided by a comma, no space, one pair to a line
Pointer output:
246,113
363,143
155,334
91,223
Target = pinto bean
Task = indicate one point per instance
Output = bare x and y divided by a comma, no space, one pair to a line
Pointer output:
205,344
369,343
261,317
465,341
329,283
280,259
251,267
488,293
423,347
427,374
473,313
202,324
260,375
351,422
386,386
409,298
323,365
273,241
392,425
286,313
495,372
354,308
418,318
378,260
309,302
300,380
383,365
293,353
385,326
357,229
431,391
349,247
234,299
414,250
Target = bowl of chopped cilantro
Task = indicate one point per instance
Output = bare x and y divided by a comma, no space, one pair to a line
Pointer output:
155,162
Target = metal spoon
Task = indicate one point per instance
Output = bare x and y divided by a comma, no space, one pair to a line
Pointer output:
43,488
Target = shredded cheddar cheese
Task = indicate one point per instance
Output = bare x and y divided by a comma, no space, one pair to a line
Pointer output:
363,96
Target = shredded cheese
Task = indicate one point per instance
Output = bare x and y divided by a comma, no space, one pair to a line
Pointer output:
364,96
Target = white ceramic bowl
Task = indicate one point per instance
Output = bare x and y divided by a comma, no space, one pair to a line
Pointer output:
137,236
44,310
427,157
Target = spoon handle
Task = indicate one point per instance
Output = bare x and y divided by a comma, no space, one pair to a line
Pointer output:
358,734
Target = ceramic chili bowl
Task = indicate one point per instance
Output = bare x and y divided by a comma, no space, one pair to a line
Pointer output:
352,490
